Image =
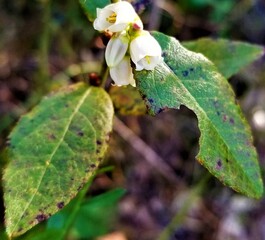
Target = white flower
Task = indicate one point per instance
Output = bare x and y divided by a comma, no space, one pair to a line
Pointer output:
122,73
116,49
145,51
116,17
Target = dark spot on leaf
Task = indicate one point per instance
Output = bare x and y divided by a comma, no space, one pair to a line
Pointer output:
41,217
226,160
92,165
224,118
218,113
99,142
160,110
185,73
60,205
51,137
231,120
66,105
164,54
219,164
72,179
81,186
150,100
80,133
191,69
20,229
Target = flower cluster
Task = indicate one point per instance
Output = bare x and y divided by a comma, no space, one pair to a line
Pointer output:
128,42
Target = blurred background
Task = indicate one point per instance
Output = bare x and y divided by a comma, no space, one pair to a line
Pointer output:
42,44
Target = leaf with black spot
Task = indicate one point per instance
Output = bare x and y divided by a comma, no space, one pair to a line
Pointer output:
190,79
53,149
227,55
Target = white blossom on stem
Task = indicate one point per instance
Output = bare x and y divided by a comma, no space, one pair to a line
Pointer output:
116,49
145,51
116,17
122,73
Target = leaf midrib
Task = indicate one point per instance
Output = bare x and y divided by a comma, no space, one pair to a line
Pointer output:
81,101
206,116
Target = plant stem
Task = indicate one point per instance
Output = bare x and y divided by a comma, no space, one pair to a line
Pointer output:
75,209
44,47
182,213
105,78
78,201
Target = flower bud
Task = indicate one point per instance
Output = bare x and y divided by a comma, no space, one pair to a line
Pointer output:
122,73
116,49
145,51
116,17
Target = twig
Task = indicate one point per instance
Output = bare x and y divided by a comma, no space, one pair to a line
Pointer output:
148,153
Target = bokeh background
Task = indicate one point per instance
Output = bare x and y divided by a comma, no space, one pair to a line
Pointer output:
42,43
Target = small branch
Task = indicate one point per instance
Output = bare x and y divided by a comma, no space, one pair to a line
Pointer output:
148,153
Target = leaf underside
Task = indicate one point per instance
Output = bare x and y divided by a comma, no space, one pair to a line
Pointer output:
53,151
228,56
190,79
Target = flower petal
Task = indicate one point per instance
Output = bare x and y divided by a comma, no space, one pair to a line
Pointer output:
116,49
122,73
145,51
116,17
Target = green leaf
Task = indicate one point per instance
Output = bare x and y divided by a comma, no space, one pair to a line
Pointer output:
93,218
97,216
127,100
228,56
53,151
190,79
90,7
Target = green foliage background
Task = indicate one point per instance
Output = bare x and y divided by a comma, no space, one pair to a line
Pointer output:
42,39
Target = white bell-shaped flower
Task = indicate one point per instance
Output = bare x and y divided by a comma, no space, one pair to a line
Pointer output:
145,51
116,17
122,73
116,49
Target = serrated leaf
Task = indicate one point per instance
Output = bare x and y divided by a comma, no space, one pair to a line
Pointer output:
127,100
228,56
53,151
90,7
190,79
